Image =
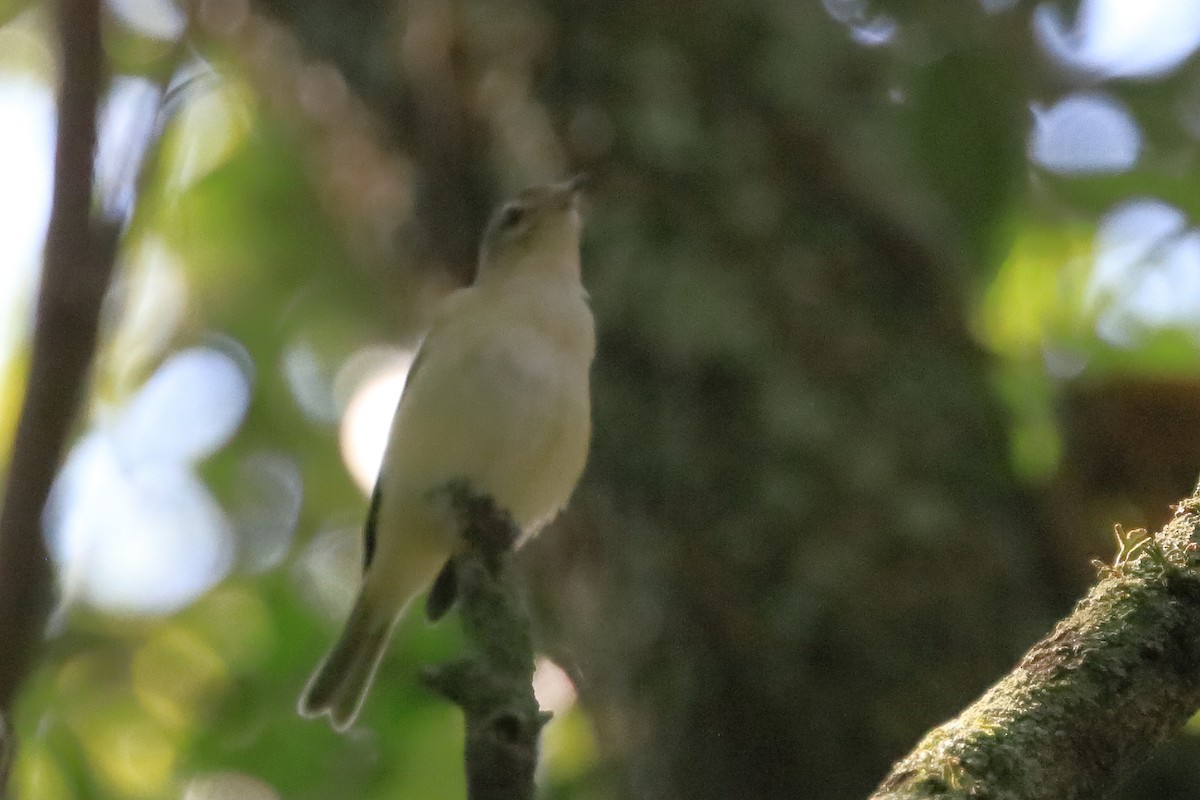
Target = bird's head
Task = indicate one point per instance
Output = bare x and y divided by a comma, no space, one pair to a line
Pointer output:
536,231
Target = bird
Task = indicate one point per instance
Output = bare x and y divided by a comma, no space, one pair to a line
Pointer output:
498,398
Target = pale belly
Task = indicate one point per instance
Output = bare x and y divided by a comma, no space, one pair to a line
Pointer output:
514,423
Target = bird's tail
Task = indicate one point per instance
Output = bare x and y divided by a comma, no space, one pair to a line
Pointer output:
340,684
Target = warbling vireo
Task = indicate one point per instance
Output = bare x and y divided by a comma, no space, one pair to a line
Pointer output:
497,397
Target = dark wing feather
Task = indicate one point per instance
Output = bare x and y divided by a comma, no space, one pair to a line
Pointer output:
444,592
369,528
369,533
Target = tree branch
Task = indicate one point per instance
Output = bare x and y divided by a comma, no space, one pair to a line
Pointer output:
78,262
1089,702
493,684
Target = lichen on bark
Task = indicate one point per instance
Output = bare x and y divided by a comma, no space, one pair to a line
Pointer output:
1089,702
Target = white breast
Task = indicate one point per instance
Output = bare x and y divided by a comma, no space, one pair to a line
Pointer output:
500,398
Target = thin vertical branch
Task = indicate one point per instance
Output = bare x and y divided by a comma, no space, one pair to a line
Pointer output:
78,262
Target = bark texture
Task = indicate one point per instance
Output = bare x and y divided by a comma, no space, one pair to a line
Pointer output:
1087,704
492,684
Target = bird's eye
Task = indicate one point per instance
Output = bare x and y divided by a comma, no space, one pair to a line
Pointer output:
511,218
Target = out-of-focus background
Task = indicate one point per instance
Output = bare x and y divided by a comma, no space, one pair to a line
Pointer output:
899,313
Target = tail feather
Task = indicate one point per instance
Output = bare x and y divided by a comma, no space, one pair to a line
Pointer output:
340,684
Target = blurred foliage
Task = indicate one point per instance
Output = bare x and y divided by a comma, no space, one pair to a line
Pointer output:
817,517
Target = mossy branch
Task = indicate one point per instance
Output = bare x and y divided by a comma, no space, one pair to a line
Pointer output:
1088,703
493,684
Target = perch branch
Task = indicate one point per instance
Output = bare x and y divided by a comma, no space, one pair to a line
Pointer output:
1090,701
492,684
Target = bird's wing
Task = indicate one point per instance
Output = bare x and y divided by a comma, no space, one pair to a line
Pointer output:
444,591
369,528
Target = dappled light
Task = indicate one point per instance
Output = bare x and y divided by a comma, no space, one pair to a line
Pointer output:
131,524
26,119
132,755
867,26
1118,38
1147,272
176,676
229,786
897,312
189,408
1084,133
325,570
265,509
155,292
310,377
215,116
158,19
375,380
553,687
127,124
997,6
38,774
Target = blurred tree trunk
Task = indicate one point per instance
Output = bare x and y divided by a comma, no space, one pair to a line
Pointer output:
799,542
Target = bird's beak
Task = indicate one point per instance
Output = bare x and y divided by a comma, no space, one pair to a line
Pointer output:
577,184
571,190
